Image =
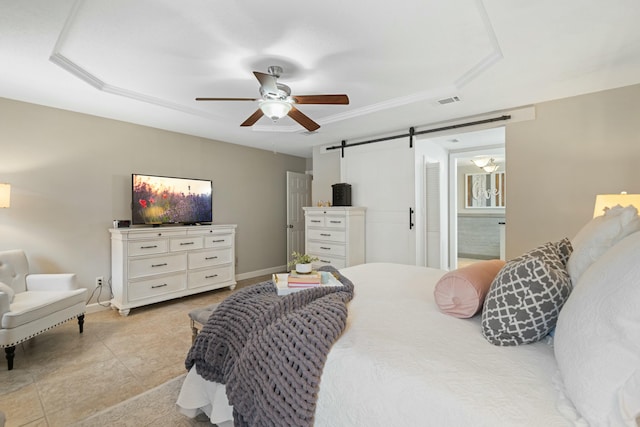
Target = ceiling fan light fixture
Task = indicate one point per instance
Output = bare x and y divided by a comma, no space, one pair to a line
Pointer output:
275,109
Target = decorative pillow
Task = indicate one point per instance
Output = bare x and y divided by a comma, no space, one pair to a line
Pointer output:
461,293
526,296
597,338
7,290
598,235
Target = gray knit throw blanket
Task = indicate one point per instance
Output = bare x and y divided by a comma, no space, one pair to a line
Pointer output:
270,350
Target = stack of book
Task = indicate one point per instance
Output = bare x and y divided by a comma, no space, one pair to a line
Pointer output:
308,280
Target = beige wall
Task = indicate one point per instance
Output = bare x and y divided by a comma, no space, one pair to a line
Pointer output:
71,176
556,164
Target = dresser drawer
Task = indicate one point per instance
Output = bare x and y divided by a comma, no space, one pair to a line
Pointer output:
319,249
156,286
327,260
199,231
157,265
314,220
157,234
329,235
210,258
335,221
147,247
210,276
218,240
185,244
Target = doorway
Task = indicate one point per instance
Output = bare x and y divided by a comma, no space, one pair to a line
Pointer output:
475,230
298,196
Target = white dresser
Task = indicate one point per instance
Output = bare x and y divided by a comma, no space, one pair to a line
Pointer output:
336,235
150,265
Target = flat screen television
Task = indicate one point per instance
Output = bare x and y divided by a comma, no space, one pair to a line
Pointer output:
160,200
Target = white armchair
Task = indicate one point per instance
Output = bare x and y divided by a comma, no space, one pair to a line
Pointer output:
31,304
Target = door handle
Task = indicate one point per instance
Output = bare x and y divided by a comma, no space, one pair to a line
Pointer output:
411,224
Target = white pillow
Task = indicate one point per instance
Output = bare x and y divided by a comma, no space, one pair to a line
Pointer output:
597,338
598,235
7,290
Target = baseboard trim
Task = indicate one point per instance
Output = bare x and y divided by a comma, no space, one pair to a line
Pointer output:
256,273
95,307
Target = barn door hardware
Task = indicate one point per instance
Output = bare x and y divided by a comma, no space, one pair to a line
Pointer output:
411,224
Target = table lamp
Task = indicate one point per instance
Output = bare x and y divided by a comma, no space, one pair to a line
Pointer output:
5,195
610,200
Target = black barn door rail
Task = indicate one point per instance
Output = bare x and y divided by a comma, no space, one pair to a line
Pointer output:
412,133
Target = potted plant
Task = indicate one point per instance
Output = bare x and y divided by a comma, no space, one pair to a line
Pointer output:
302,262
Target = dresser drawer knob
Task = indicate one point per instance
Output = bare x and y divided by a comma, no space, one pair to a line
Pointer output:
325,261
211,257
315,220
159,265
158,286
148,247
335,222
325,248
187,243
325,234
211,277
217,241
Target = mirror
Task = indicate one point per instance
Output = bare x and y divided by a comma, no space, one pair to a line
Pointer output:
485,190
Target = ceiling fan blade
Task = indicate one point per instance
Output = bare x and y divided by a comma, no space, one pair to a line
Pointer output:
321,99
267,81
253,118
303,119
226,99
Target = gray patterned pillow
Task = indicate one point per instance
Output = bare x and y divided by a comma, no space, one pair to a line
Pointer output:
526,296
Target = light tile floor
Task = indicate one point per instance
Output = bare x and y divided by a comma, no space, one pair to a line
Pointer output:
62,376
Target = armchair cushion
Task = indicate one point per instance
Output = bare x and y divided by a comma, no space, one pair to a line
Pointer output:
30,306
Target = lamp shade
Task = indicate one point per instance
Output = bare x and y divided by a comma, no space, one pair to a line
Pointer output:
275,109
611,200
5,195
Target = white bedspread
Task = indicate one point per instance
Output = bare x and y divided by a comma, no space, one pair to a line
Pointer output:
400,362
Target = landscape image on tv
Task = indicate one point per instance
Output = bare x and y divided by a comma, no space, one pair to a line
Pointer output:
167,200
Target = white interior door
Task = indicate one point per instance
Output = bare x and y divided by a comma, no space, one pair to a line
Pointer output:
298,196
382,178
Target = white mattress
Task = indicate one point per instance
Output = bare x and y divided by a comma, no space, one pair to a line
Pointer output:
402,362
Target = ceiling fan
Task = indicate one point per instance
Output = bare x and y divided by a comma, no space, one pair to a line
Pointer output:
276,100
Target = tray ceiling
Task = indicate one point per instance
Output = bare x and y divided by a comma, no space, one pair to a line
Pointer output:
146,61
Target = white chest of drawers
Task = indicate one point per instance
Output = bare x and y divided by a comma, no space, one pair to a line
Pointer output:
150,265
335,235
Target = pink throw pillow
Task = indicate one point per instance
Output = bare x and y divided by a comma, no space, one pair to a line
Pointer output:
461,292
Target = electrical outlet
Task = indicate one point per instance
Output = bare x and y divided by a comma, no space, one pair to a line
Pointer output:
99,281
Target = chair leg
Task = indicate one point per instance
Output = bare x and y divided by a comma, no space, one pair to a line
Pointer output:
10,352
81,322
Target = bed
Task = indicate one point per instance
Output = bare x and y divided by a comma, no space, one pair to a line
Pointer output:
402,361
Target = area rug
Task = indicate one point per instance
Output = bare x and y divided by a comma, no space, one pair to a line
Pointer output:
155,407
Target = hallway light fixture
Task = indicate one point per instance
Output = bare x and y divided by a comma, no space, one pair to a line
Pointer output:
487,165
606,201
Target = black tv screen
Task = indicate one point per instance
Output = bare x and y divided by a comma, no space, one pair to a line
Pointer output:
170,200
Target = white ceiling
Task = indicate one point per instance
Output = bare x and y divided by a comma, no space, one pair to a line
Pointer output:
144,61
